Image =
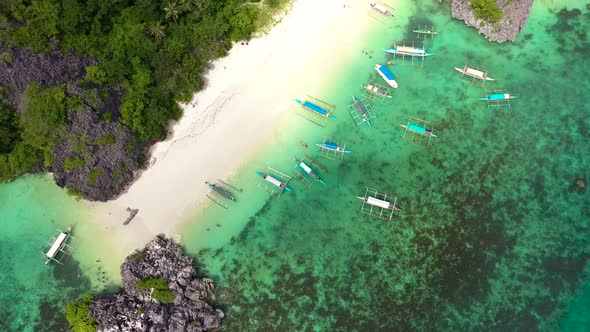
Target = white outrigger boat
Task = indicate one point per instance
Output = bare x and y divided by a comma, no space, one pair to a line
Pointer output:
376,90
58,246
408,50
274,181
387,75
381,9
474,73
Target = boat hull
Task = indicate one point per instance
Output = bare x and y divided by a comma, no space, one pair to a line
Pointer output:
426,133
396,52
331,148
384,73
463,71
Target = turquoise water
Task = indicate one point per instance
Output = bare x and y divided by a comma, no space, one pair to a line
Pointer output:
34,295
492,234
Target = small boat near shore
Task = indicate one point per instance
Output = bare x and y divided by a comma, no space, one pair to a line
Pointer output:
361,108
408,50
382,9
387,75
376,90
474,73
305,168
422,30
58,246
276,182
416,129
222,192
332,146
316,109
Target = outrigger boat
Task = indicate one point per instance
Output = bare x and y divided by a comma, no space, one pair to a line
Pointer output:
333,147
316,109
408,50
425,31
376,90
418,130
381,9
498,97
387,75
362,110
301,164
474,73
58,245
222,192
274,181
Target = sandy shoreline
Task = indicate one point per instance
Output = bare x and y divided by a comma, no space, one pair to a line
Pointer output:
248,97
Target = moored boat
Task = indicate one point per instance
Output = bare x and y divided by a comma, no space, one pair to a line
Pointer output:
387,75
316,109
301,164
58,245
274,181
498,97
418,130
407,50
425,31
474,73
221,191
333,147
381,9
375,89
362,109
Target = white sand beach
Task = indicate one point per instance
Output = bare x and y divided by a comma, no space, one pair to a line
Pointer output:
249,95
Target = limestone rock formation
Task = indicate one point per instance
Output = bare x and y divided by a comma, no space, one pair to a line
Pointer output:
135,310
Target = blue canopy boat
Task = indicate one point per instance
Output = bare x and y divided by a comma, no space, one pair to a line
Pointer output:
418,130
316,109
362,109
407,50
387,75
333,147
274,181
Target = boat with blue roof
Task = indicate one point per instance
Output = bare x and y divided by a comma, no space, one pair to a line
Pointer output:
498,97
416,129
316,109
387,75
333,146
408,50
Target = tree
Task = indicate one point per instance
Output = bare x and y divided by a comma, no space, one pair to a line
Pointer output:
78,315
156,30
9,129
172,11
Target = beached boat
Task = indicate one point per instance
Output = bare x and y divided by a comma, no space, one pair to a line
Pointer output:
222,192
474,73
387,75
274,181
408,50
333,147
418,130
361,109
498,97
316,109
381,9
58,245
376,90
301,164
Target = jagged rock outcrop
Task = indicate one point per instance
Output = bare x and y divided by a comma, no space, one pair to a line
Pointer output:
516,13
134,310
94,133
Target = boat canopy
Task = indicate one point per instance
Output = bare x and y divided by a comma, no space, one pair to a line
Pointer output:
418,129
303,166
315,107
409,49
388,74
378,202
56,245
499,96
380,8
330,145
273,180
360,107
474,72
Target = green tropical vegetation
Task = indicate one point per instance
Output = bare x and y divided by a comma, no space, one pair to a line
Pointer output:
155,51
78,315
487,10
161,291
